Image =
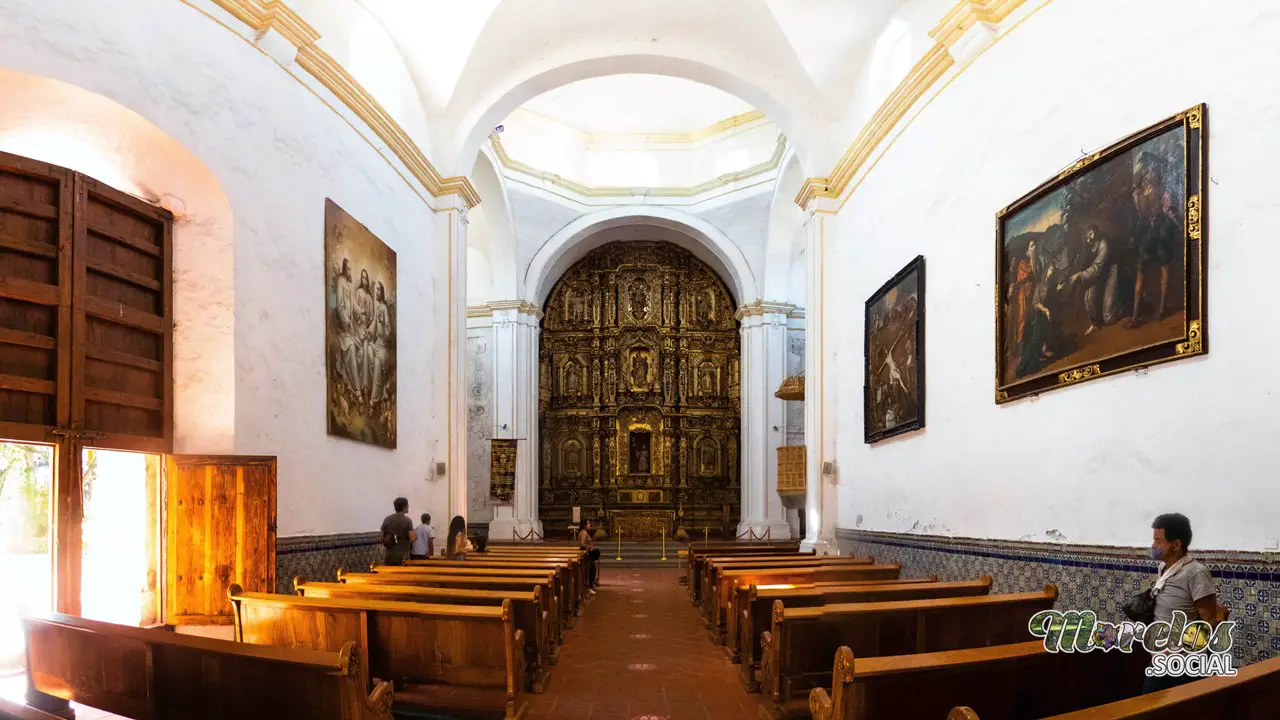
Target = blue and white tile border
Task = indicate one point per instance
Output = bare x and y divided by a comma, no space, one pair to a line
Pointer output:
1096,577
318,557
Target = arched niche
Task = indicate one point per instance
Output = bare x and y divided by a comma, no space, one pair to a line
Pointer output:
66,125
593,230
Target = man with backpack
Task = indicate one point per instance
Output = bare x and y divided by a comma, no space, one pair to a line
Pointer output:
398,534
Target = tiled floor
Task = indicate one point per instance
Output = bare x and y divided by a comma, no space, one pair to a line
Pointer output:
641,650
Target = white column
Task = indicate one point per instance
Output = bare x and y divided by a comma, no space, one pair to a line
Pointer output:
764,366
820,390
452,225
515,416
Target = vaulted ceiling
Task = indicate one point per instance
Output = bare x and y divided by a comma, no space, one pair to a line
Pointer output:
474,62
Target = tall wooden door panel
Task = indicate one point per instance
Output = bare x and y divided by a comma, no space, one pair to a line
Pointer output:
35,298
221,529
121,313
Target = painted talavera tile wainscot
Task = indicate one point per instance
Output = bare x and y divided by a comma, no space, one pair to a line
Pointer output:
1088,578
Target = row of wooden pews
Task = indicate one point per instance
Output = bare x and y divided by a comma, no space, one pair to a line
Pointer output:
928,649
456,638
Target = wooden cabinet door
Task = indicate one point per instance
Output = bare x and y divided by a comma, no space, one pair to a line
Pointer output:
220,530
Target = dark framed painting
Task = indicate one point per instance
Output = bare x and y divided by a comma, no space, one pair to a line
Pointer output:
360,330
893,366
1101,269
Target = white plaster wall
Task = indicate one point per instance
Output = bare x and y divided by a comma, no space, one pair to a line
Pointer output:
1092,463
479,417
277,153
794,409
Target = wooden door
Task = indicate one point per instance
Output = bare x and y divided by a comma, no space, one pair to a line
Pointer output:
220,529
35,298
122,393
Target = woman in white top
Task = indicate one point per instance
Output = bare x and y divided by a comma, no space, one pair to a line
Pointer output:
458,545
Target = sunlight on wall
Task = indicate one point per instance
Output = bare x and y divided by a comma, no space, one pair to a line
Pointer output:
60,146
890,59
373,61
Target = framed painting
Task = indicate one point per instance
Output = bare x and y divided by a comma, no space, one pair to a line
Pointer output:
360,330
1101,269
893,366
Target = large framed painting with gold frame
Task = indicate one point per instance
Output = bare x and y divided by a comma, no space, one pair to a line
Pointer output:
1101,269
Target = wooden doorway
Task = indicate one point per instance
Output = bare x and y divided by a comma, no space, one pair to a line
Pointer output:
86,385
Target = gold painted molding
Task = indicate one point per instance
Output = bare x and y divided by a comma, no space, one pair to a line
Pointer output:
593,191
262,15
928,70
589,139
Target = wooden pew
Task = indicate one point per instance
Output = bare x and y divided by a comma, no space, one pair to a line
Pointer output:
571,574
715,567
158,675
550,603
526,609
722,592
750,609
1252,694
756,613
14,711
793,653
443,658
568,602
696,555
697,558
1011,682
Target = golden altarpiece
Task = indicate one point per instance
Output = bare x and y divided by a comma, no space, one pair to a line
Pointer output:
639,394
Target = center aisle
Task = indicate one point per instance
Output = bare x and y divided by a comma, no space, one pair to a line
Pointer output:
642,651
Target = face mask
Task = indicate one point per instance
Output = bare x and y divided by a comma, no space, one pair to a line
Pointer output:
1156,553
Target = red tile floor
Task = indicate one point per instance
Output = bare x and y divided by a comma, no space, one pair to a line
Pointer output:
640,650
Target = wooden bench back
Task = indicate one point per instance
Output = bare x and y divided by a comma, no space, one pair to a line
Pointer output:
753,613
1252,694
721,594
451,645
1010,682
714,574
157,675
474,577
527,609
696,558
800,638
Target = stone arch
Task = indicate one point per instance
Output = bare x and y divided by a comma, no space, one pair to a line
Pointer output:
777,103
579,237
67,125
491,231
785,237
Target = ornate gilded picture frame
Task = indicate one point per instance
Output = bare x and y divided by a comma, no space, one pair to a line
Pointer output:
893,360
1101,269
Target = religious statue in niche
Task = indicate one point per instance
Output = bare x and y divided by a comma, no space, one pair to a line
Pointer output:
704,307
639,370
639,300
572,379
576,309
708,458
639,452
571,458
707,379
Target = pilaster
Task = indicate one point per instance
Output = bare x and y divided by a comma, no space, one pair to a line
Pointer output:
764,366
820,390
516,327
451,223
